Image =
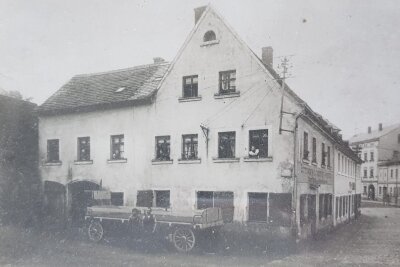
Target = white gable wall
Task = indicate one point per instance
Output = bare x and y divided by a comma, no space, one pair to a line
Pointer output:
175,118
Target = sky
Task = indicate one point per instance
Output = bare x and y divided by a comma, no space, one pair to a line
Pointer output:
344,54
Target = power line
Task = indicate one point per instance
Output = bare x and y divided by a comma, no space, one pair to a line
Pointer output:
254,110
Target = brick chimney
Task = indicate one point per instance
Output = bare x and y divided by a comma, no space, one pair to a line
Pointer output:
267,54
198,11
380,127
369,129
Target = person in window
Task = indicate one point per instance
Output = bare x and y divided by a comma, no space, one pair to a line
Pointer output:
253,153
164,151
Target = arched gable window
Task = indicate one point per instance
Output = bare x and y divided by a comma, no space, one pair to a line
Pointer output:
209,36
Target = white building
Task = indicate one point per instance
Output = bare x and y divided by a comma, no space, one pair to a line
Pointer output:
375,147
202,131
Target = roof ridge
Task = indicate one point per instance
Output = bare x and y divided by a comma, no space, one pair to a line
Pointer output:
120,70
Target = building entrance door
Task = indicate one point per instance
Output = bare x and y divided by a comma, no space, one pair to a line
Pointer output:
371,192
80,195
312,213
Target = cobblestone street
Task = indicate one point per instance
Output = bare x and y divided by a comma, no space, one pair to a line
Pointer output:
373,240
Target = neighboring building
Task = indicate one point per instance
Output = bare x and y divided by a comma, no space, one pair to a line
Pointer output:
20,196
375,147
189,135
388,180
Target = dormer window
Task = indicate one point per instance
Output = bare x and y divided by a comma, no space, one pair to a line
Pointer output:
209,36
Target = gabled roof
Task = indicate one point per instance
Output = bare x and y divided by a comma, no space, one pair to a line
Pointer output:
111,88
373,136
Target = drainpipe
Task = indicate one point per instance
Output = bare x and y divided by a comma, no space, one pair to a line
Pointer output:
294,169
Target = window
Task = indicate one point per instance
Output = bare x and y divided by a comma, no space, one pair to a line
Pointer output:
338,162
305,146
365,157
258,207
397,173
117,198
371,173
144,198
391,173
189,146
162,198
220,199
84,148
156,198
190,86
365,190
365,173
380,190
227,82
117,147
398,138
53,150
328,154
258,143
371,156
163,148
323,155
314,150
226,145
209,36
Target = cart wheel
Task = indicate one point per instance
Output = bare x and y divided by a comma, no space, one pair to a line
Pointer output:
184,239
95,231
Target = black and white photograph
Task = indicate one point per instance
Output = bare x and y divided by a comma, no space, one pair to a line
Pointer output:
199,133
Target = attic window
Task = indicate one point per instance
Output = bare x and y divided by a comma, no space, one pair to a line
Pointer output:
209,36
120,89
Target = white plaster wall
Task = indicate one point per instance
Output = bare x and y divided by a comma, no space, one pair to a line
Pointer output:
174,118
99,126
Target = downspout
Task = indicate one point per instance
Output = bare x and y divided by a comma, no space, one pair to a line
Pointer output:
294,200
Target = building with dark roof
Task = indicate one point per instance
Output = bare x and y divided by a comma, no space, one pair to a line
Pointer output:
208,129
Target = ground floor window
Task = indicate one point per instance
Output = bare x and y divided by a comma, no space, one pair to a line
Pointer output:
258,207
380,190
117,198
325,205
153,198
337,207
219,199
274,208
365,190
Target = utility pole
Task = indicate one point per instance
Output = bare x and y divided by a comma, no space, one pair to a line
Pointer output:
284,65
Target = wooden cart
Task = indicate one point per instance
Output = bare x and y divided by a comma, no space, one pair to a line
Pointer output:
181,230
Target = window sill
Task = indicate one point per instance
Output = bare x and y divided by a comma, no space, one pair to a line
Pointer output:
213,42
83,162
314,163
306,161
189,99
248,159
52,163
225,160
161,162
117,160
229,95
189,161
